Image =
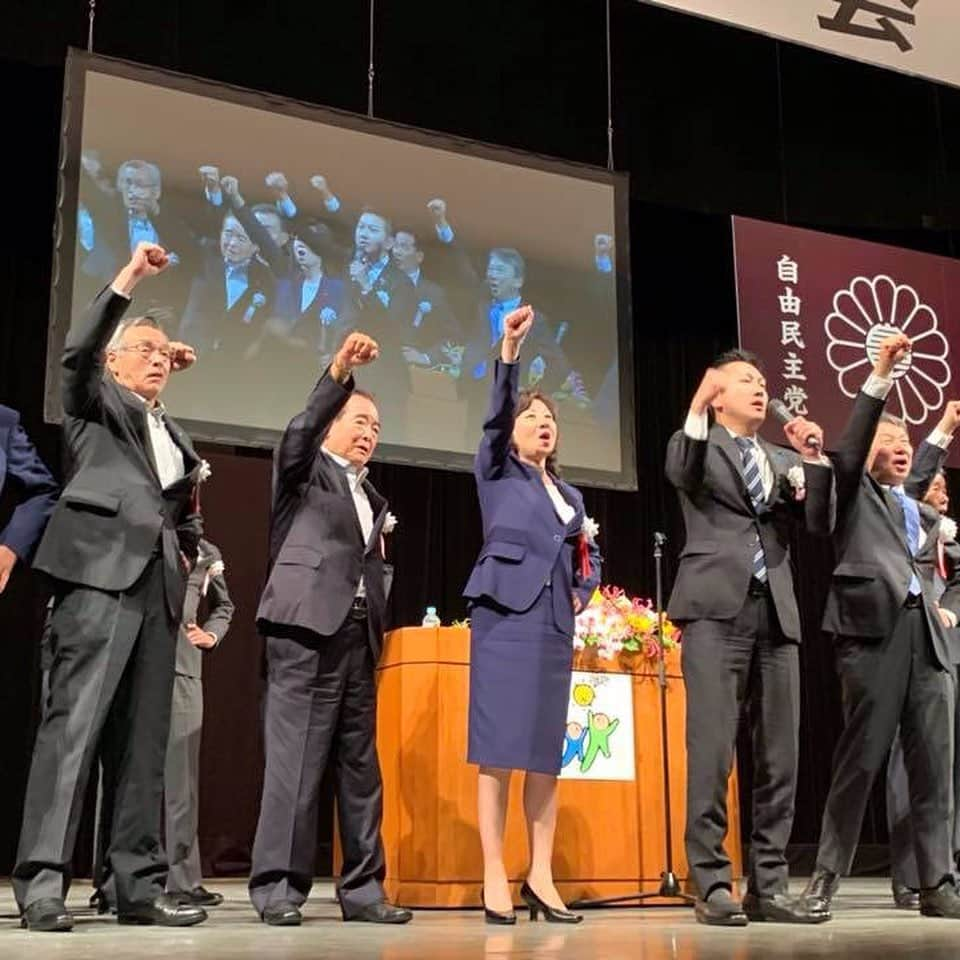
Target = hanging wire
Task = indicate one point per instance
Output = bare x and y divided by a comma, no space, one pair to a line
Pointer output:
609,94
91,17
371,73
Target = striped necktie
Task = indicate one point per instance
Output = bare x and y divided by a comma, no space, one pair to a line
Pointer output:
754,482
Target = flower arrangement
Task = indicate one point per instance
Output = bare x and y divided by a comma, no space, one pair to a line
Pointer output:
614,623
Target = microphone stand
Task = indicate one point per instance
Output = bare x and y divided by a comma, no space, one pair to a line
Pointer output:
669,885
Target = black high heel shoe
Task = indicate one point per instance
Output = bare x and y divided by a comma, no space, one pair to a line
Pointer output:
500,919
551,915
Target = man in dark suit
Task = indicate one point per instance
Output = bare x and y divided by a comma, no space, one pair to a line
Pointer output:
939,562
130,211
118,548
229,299
892,653
181,783
36,493
432,325
322,613
489,299
379,295
741,500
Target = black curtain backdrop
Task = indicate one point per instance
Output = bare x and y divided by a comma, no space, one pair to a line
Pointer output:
709,121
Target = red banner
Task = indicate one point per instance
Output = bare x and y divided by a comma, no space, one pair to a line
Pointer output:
815,307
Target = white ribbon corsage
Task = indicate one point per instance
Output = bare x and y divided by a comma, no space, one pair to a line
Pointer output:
798,481
590,529
948,530
205,472
390,523
214,570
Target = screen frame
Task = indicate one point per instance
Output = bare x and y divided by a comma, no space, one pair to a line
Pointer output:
79,63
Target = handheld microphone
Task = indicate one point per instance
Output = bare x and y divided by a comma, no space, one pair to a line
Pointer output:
256,302
779,409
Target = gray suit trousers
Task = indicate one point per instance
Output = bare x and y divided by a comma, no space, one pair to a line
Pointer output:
181,785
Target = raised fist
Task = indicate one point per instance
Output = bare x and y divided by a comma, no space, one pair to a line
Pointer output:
603,245
148,259
438,209
714,382
357,351
182,356
210,175
517,324
319,182
950,420
892,350
90,161
278,183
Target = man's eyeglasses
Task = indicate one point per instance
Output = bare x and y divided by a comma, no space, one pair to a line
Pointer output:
147,350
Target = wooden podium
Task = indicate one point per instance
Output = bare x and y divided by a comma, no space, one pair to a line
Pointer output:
610,834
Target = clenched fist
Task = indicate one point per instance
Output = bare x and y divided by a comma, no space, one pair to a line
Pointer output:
892,350
516,326
357,351
714,382
182,356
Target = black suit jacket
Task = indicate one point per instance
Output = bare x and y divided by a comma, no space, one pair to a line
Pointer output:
722,526
874,564
113,510
317,550
208,324
112,239
437,326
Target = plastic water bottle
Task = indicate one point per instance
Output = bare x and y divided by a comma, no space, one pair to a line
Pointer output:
431,619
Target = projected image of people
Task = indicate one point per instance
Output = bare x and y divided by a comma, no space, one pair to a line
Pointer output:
278,253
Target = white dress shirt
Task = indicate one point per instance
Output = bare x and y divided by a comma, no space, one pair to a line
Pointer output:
564,511
167,456
697,427
361,501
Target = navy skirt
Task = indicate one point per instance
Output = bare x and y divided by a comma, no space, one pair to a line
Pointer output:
520,666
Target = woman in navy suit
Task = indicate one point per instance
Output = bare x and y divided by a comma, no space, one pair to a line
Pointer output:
534,573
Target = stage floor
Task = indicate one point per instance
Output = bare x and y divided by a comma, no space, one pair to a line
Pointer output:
865,925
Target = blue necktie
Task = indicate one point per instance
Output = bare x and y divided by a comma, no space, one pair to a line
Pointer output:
754,482
911,523
495,314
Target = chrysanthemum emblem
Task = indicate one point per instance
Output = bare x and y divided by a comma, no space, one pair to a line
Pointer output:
864,315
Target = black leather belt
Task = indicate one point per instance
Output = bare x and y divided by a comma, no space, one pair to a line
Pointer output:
758,588
358,609
913,600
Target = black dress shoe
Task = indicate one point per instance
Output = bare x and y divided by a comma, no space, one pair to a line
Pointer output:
164,911
49,914
720,910
493,916
100,902
781,908
906,898
941,902
820,891
199,897
282,915
550,914
381,912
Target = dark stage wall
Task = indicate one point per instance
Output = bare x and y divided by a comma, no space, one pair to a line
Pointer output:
710,121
